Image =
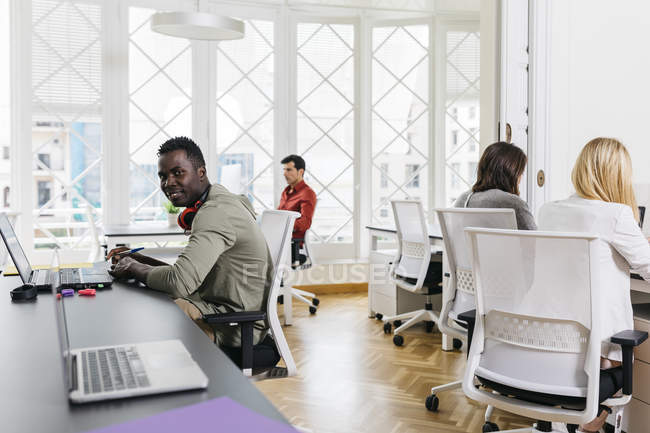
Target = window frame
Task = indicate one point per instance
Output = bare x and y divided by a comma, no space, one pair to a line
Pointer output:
285,17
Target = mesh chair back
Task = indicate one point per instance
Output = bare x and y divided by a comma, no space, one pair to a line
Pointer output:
535,311
413,249
277,227
459,290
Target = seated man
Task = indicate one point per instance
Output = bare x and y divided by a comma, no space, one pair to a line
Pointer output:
298,197
226,265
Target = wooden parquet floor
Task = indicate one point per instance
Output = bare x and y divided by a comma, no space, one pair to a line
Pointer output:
353,379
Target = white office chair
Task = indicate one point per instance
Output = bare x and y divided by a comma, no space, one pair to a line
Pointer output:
277,227
413,268
299,294
458,292
536,344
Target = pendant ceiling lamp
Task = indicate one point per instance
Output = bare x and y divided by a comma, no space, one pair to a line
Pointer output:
197,25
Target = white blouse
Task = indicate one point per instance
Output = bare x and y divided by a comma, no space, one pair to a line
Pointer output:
625,249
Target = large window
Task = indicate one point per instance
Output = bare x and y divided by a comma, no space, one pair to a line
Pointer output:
245,112
462,115
160,96
325,124
66,119
358,91
400,116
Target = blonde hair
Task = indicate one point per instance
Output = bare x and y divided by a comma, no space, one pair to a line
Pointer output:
603,171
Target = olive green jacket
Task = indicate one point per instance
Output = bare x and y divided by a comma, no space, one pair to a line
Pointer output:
226,265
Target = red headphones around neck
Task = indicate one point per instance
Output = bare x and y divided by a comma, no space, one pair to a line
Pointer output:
186,217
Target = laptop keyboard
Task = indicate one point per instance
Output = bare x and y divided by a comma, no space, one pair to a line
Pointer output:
70,276
41,277
112,369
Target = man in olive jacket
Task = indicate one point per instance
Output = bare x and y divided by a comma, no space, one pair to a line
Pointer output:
226,265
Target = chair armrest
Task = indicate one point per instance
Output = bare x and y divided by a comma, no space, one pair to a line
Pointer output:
245,319
628,340
470,318
234,317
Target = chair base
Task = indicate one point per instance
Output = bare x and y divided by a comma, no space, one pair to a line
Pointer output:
414,317
300,295
272,373
456,385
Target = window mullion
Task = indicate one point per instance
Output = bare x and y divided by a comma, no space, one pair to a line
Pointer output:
115,164
21,110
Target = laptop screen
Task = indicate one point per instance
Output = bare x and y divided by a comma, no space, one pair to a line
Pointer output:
64,341
15,250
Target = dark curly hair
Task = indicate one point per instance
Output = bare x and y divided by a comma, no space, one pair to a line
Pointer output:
191,149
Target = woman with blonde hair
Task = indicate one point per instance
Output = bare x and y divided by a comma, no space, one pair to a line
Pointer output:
604,204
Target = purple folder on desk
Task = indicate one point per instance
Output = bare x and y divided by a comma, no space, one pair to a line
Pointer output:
218,415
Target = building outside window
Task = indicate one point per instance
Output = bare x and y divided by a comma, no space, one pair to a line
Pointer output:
471,146
383,183
410,170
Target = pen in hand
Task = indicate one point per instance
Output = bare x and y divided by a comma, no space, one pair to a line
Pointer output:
128,252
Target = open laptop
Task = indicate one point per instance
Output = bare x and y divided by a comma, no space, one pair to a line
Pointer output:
44,278
110,372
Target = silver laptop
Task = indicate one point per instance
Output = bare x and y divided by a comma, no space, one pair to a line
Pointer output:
43,278
110,372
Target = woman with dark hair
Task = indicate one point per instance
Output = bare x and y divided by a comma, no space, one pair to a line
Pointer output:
497,183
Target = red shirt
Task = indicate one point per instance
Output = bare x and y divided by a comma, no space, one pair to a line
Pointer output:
302,199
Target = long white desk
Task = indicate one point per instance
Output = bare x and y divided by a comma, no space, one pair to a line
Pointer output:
149,231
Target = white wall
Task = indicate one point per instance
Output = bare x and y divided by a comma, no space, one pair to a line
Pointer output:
599,83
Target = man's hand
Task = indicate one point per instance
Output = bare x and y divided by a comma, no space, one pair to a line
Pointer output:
112,253
121,268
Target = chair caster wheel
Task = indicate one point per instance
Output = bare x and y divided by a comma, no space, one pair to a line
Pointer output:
429,326
432,403
397,323
387,328
315,301
398,340
312,310
457,343
281,299
490,426
379,316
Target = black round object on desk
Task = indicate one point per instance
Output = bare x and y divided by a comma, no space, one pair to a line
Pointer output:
26,292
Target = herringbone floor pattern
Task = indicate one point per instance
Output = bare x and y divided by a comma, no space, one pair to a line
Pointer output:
352,378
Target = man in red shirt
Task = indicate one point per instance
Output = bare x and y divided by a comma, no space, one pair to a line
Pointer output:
298,197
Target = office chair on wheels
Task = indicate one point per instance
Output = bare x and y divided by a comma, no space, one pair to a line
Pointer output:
416,268
260,359
302,258
458,291
536,342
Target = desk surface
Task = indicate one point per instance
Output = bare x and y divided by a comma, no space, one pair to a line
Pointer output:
434,230
32,394
148,228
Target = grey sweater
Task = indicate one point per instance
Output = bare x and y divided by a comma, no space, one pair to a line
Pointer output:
495,198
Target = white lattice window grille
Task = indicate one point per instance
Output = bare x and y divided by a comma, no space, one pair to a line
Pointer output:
160,107
66,120
462,113
400,115
325,124
5,118
245,110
